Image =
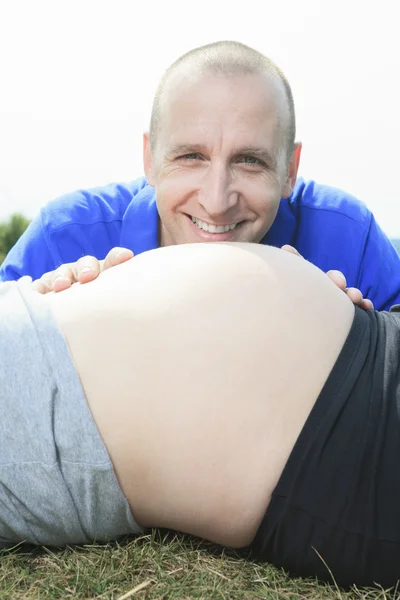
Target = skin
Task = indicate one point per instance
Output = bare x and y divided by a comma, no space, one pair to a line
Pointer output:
88,269
200,340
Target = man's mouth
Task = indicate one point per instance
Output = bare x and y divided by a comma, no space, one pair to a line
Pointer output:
209,228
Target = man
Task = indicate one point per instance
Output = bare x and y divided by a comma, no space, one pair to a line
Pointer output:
221,164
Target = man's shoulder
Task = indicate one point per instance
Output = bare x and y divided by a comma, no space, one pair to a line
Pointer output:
103,204
308,195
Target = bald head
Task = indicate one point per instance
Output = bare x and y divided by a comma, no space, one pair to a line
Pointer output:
227,59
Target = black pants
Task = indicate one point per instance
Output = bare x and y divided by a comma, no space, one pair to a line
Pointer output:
337,503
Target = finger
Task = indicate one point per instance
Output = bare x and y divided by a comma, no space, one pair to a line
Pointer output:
41,286
116,256
355,295
44,285
366,304
291,250
338,279
63,278
61,283
87,268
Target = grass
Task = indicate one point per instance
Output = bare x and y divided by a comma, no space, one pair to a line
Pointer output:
157,566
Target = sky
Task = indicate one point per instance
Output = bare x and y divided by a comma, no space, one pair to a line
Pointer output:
77,79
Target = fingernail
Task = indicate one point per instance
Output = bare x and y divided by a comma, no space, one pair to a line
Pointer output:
86,270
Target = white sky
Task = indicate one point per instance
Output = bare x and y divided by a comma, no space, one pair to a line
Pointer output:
77,79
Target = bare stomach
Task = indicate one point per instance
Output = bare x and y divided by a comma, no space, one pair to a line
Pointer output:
200,364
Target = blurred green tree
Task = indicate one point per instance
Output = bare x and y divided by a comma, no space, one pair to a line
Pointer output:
10,232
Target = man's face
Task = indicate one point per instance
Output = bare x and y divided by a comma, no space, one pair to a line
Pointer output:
219,166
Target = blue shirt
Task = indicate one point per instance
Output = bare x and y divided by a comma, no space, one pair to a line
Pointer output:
328,227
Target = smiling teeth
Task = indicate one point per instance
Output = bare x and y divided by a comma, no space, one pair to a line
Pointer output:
213,228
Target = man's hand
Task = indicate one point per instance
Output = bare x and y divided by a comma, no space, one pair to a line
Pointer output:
84,270
339,279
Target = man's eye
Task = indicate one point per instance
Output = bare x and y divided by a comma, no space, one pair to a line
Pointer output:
251,160
191,156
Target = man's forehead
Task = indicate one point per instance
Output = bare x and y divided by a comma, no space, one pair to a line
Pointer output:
188,94
184,82
194,105
193,131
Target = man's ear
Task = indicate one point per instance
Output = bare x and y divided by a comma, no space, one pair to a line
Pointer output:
148,159
292,170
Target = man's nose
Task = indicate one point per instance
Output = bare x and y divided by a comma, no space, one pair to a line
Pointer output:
217,195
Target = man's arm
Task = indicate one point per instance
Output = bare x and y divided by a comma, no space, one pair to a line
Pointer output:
29,256
75,225
379,272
